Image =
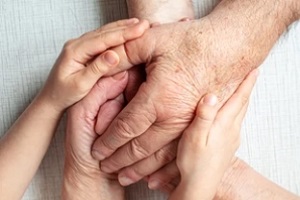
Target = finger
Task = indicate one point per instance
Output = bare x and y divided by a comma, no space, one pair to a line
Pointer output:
141,147
134,120
163,176
99,67
195,136
104,89
108,112
119,23
241,116
138,171
86,49
170,187
229,112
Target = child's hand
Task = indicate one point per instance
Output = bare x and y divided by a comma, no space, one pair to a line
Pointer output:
208,145
86,59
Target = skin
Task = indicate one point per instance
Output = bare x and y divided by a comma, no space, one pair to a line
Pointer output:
83,178
75,72
187,60
202,140
208,145
161,11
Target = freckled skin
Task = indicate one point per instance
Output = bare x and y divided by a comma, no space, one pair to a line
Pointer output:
185,61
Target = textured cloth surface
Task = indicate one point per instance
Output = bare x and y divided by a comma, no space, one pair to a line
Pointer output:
32,33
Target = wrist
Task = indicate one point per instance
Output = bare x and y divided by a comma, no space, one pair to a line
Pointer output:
161,11
47,103
80,185
233,181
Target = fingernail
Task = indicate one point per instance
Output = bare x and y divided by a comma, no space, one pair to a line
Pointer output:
97,155
154,184
133,21
210,100
105,169
120,76
125,181
111,58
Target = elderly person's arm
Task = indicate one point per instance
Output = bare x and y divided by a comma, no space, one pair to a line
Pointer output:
162,11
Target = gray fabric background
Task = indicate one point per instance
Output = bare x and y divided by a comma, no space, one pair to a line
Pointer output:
32,33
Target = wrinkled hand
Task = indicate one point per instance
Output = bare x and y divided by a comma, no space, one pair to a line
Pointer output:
83,178
207,147
184,61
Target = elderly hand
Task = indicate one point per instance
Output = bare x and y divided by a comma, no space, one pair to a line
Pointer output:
185,61
208,145
82,176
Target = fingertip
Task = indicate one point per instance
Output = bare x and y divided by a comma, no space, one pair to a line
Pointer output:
120,76
209,100
97,155
132,21
111,58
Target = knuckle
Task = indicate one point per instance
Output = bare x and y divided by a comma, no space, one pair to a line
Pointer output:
137,151
204,115
123,129
97,67
79,86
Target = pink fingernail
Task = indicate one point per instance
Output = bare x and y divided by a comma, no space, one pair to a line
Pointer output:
97,155
154,184
133,21
111,58
125,181
210,100
105,169
120,76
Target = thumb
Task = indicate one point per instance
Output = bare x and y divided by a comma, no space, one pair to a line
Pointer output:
135,52
100,66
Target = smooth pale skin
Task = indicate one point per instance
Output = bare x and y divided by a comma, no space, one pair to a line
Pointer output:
75,72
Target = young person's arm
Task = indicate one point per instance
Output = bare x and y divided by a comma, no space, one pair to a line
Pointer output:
72,77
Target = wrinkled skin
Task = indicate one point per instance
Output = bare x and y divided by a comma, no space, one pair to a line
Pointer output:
184,61
83,178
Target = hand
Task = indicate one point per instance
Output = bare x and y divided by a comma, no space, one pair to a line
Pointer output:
208,145
186,61
86,59
82,176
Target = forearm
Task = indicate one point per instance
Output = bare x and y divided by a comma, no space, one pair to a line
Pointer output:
259,23
242,182
23,148
162,11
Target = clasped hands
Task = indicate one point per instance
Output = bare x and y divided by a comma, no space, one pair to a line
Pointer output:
175,132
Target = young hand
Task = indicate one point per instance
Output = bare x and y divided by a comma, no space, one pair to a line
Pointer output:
208,145
86,59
